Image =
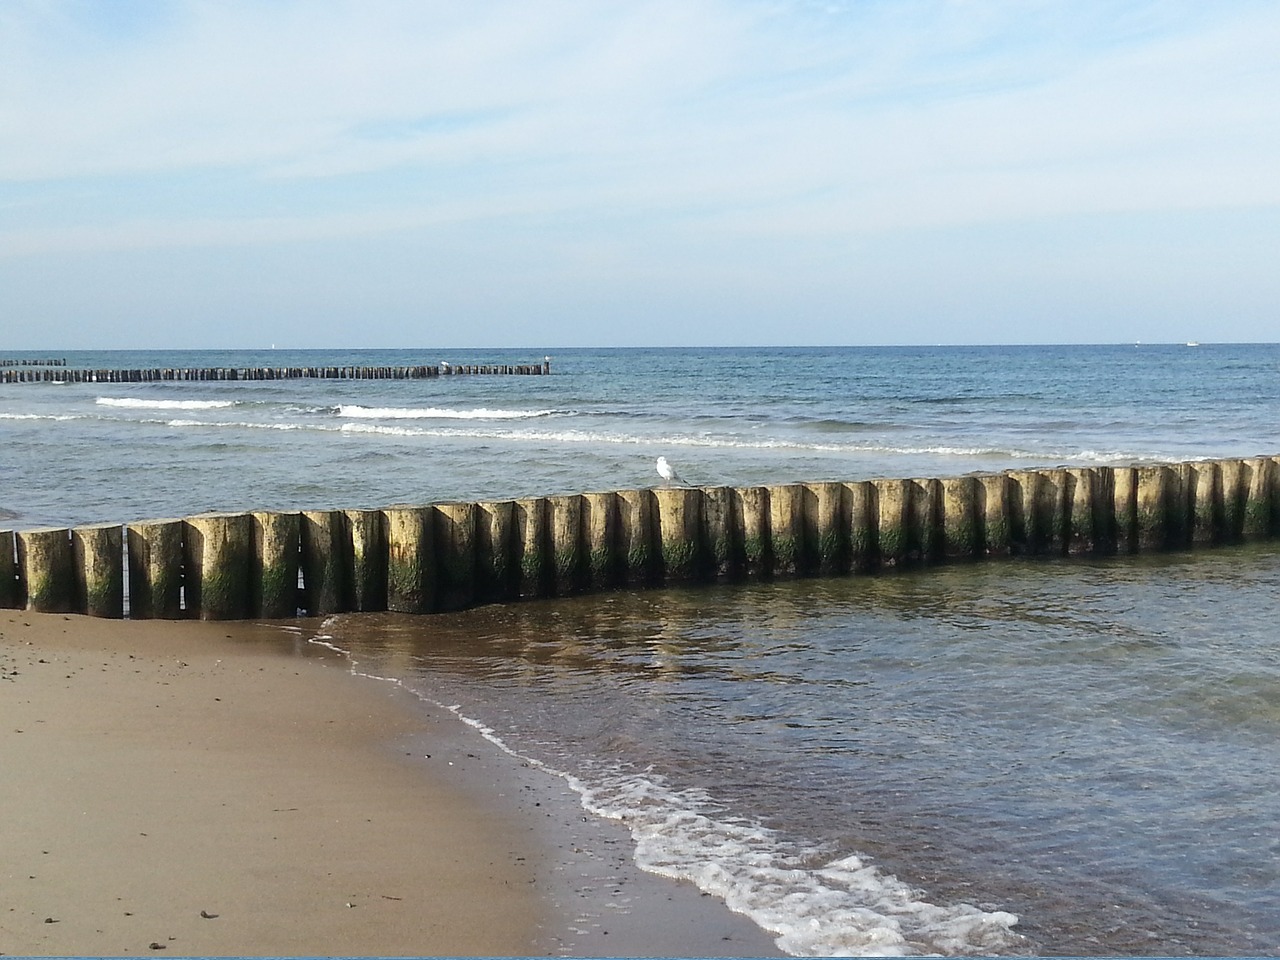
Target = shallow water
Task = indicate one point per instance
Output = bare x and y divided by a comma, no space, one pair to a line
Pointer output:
1091,746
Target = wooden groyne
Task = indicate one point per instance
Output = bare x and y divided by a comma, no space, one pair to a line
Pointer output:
448,556
29,373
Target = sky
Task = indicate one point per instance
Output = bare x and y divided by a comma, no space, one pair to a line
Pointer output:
375,173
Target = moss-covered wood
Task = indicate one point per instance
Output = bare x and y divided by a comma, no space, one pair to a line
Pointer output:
47,566
219,563
410,560
99,555
157,570
455,555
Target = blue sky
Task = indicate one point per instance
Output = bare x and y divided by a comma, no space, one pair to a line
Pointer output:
314,173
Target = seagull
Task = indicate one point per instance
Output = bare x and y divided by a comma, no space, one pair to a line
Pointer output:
667,472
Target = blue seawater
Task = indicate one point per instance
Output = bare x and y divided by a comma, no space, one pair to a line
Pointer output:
1026,756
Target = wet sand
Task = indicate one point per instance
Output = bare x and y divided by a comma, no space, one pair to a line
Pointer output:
215,789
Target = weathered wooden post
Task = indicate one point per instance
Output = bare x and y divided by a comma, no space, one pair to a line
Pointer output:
1152,506
892,512
1233,477
1090,512
455,545
497,553
826,516
993,513
751,520
1206,499
99,553
1257,507
326,559
48,569
600,529
638,536
533,538
679,511
864,526
368,532
411,575
218,562
9,596
156,569
568,550
720,535
275,564
1181,504
791,553
1124,483
924,519
961,524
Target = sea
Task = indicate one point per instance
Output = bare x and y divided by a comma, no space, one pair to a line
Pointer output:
1029,756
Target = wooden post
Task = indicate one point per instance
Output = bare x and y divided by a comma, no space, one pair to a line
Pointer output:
327,562
993,512
219,561
892,534
156,569
864,526
497,554
638,536
533,538
1125,498
368,532
275,564
600,528
1151,507
48,568
455,546
924,519
721,537
1206,497
791,553
1181,504
751,520
568,550
99,553
826,513
410,560
1088,521
9,596
679,512
961,523
1233,476
1260,483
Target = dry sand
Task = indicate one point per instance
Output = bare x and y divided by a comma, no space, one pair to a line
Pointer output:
212,789
166,787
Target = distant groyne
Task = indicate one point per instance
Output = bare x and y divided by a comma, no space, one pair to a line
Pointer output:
448,556
26,373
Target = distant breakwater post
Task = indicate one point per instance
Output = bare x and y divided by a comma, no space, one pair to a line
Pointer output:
449,556
56,372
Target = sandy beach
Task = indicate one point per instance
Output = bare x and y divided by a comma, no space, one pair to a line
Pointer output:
212,788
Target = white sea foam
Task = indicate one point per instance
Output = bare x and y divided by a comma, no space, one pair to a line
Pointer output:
140,403
437,413
843,908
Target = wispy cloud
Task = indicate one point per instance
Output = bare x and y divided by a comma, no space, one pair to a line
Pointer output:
131,125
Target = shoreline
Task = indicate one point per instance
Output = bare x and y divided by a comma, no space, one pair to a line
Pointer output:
226,788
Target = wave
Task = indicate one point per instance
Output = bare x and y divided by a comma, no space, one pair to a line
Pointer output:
436,413
966,453
842,908
139,403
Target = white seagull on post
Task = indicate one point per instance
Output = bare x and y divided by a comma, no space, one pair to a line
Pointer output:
667,472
